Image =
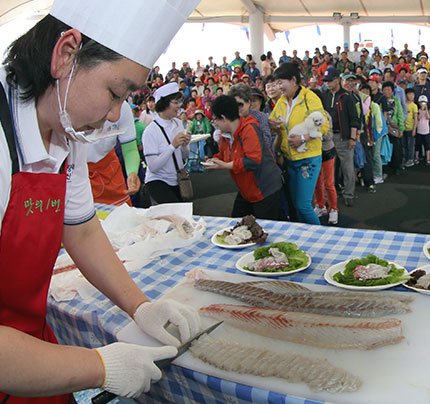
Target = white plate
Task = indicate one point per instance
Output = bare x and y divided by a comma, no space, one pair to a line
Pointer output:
426,247
197,138
328,276
231,247
248,258
207,163
423,291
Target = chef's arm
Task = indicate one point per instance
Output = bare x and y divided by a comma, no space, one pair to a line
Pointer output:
93,254
31,367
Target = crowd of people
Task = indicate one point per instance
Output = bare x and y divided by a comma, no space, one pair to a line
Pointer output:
375,109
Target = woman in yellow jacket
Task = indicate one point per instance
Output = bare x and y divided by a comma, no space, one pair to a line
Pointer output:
292,109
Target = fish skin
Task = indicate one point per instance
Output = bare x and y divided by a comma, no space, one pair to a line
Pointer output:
309,329
318,374
288,287
343,306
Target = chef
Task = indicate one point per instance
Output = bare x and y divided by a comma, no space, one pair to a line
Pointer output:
60,83
105,171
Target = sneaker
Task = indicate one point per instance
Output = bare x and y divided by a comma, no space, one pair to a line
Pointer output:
428,163
320,211
379,180
409,163
417,162
371,189
333,216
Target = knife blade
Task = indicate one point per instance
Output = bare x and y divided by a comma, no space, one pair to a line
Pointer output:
105,396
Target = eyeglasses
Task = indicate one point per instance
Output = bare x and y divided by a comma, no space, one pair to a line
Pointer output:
177,102
271,85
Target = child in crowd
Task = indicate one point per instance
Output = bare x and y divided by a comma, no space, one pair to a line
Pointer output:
199,126
207,108
422,137
191,108
411,122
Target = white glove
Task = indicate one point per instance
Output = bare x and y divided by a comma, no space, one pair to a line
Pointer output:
130,369
151,317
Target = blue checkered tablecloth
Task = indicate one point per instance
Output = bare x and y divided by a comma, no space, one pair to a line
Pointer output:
95,321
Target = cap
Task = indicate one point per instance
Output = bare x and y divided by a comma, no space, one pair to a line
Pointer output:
348,75
330,74
374,78
375,71
167,89
118,25
197,80
423,56
422,98
257,93
312,80
422,70
245,75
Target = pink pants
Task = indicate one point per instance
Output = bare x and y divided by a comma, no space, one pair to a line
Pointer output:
326,181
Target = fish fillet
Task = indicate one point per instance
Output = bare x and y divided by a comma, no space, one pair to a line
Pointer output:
343,306
309,329
288,287
318,374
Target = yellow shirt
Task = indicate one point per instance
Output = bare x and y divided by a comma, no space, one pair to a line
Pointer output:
411,109
307,102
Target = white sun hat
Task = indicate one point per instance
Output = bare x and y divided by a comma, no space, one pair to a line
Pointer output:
137,29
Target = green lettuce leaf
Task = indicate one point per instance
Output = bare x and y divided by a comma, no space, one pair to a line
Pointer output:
347,277
296,257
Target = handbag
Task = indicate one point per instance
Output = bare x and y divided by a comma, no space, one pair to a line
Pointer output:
184,180
359,156
393,129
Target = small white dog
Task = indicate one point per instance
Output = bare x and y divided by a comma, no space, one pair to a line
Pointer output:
310,126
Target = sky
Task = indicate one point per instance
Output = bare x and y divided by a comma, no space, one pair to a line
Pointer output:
199,41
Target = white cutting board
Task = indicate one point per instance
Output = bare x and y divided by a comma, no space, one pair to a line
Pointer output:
395,374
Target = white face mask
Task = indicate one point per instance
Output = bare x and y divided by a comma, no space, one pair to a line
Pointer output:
84,136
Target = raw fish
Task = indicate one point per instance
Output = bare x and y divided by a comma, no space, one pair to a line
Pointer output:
343,306
309,329
318,374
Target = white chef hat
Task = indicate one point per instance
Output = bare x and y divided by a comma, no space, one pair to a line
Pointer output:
137,29
167,89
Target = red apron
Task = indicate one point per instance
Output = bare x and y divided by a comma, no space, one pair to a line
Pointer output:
107,181
30,239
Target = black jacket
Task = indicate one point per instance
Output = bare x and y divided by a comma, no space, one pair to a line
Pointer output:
343,111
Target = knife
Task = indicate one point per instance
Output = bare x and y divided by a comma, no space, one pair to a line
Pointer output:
105,396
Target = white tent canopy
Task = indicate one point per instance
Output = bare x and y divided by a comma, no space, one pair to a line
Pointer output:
280,15
271,16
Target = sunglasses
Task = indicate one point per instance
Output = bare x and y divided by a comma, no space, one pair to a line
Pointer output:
240,104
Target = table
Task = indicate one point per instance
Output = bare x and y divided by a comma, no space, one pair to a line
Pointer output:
95,321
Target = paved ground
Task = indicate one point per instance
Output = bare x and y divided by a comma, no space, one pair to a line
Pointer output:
401,204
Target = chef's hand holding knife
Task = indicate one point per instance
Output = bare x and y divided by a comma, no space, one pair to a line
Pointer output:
129,368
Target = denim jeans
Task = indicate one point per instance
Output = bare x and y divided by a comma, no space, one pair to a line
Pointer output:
408,143
303,176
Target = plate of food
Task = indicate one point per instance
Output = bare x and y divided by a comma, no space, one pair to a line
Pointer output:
369,273
207,163
426,249
420,280
245,233
275,260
